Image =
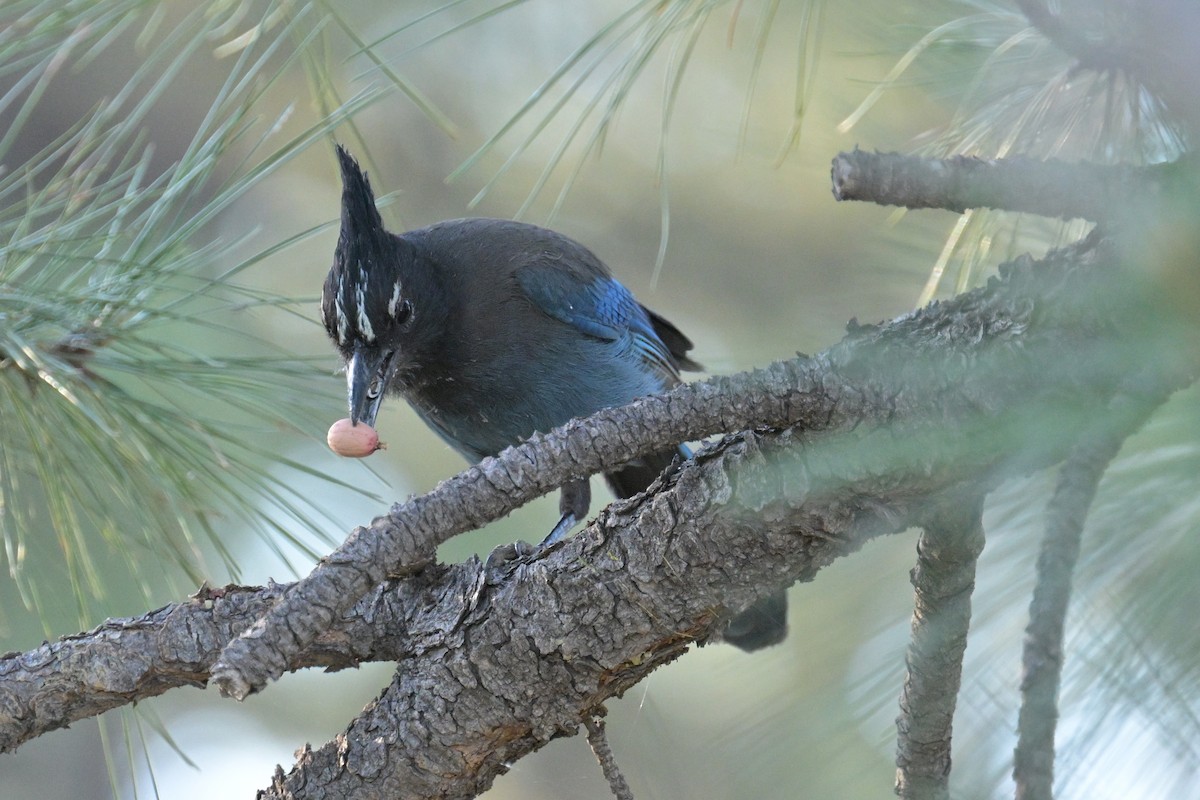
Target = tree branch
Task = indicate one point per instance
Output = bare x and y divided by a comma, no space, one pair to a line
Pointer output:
1050,188
943,580
403,541
963,393
495,663
1042,660
127,660
847,386
598,739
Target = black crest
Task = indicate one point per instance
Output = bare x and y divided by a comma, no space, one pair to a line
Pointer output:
364,295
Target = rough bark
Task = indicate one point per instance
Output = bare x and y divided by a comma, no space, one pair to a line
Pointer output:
908,374
1042,658
1050,188
494,663
943,580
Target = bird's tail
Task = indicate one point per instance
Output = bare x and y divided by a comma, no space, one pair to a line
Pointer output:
762,624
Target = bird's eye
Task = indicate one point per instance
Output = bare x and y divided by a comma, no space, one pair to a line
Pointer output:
404,312
375,388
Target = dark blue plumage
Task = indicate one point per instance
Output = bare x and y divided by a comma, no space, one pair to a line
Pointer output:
493,330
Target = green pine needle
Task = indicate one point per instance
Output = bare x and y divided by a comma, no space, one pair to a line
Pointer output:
143,418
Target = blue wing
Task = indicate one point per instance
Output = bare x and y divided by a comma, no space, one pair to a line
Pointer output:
600,307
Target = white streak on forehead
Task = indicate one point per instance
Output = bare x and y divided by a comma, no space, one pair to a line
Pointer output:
360,301
365,329
394,301
339,311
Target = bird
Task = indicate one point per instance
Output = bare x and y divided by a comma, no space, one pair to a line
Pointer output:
493,330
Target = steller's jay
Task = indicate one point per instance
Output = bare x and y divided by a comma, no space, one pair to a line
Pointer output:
493,330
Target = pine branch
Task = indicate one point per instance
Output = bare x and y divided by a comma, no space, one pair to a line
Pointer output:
965,392
1042,660
1051,188
851,386
943,580
598,739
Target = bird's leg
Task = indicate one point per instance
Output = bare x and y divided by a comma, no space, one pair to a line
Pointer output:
573,504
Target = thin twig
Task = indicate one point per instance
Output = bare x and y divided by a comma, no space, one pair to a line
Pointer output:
1050,188
598,739
1042,660
943,579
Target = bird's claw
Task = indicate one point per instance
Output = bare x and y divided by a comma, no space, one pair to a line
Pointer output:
507,556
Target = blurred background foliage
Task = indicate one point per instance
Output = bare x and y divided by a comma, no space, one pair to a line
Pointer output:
168,207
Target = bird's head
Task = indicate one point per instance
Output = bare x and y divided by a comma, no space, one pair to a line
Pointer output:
376,298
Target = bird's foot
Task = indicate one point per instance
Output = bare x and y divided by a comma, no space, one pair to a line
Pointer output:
506,556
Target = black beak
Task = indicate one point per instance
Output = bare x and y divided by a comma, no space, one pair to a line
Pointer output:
367,376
